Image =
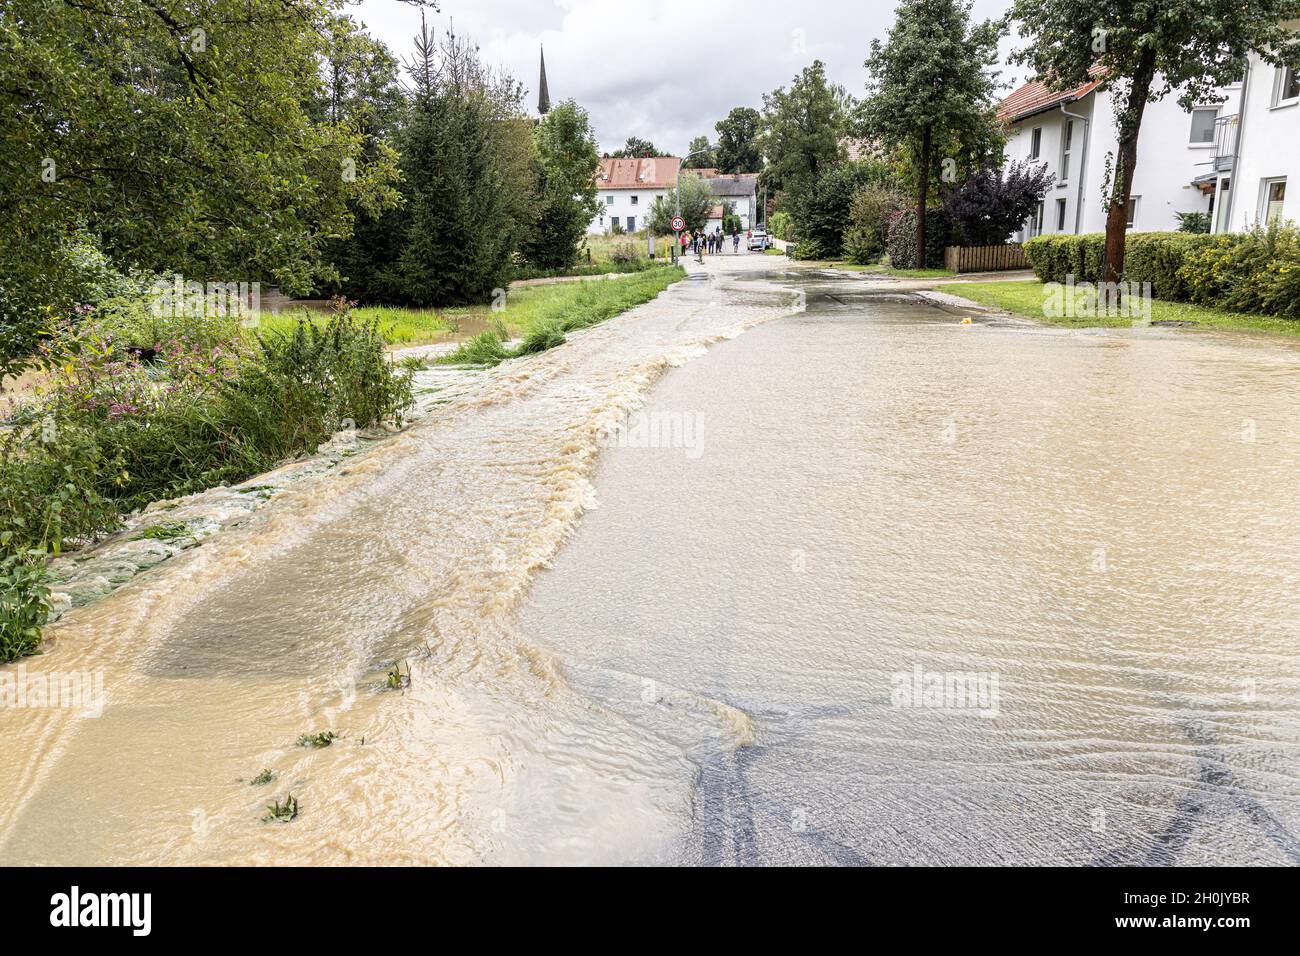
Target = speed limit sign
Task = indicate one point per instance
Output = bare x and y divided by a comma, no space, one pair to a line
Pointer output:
678,223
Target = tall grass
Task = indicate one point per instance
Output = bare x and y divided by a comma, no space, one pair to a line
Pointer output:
545,313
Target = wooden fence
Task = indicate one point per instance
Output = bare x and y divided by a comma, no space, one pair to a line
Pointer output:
985,258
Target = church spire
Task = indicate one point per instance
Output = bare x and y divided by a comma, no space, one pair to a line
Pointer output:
543,94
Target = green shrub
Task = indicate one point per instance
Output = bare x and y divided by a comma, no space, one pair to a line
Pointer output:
24,602
1195,222
1158,258
781,226
902,239
1055,257
1255,271
867,232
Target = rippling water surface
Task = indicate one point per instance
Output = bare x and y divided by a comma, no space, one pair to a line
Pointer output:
755,648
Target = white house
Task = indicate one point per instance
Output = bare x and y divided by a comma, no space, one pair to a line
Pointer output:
627,188
1258,149
1074,130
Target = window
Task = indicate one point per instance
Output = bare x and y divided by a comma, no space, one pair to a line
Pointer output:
1067,140
1035,142
1203,125
609,200
1274,199
1060,215
1131,216
1035,227
634,198
1287,89
631,223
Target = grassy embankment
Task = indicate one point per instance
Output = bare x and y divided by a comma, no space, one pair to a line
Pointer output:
541,315
1028,299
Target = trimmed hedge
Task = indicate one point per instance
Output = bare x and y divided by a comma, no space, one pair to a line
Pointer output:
1255,271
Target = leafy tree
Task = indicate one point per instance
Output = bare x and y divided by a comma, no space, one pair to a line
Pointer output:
738,150
698,201
821,211
636,148
704,158
931,78
182,136
567,155
1146,50
992,204
867,231
802,129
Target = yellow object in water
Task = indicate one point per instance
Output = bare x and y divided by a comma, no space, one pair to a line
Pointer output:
965,320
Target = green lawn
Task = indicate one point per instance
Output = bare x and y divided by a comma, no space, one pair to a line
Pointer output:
1027,299
541,315
523,308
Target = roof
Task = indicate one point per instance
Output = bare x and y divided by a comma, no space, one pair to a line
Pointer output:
735,184
1036,97
653,172
717,212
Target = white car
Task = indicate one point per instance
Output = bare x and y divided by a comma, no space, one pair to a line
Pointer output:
758,240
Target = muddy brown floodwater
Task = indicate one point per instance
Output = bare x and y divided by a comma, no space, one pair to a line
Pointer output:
859,585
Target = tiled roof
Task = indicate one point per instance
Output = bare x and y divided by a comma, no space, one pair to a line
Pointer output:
735,184
654,172
1035,97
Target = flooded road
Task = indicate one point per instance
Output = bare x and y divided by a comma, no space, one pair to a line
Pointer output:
859,585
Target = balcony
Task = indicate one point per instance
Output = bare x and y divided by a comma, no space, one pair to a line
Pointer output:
1225,142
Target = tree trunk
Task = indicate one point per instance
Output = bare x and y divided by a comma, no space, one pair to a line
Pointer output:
1130,124
922,190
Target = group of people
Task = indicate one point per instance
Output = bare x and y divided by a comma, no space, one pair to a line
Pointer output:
702,241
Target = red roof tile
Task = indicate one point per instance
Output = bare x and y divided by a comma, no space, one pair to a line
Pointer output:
1035,97
654,172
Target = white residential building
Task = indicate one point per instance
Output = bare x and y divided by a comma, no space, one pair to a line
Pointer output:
1073,132
628,188
1258,154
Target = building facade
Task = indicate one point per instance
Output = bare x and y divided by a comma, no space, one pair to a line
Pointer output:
1073,132
627,188
1257,158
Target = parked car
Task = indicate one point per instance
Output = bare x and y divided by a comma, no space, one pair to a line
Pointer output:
758,239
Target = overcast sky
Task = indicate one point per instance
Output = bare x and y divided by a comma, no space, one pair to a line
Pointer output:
663,70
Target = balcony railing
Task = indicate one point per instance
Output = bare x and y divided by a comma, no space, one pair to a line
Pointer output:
1225,141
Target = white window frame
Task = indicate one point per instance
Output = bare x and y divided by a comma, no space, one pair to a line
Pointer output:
1131,212
1067,146
1279,85
1035,142
634,200
1203,143
1266,187
609,200
1062,210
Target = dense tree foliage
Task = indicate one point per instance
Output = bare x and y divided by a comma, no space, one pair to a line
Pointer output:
738,150
636,148
698,199
567,157
821,211
1145,50
197,136
993,203
802,129
931,78
699,155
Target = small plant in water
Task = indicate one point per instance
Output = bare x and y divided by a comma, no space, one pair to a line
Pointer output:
397,680
283,812
322,739
165,531
262,779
